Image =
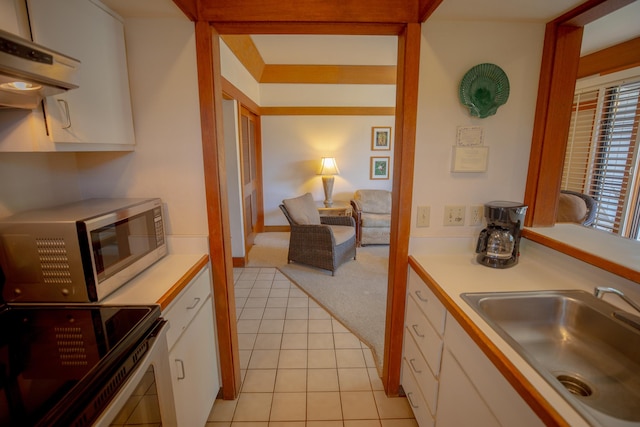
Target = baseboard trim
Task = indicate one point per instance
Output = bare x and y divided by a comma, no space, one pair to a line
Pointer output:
239,262
276,228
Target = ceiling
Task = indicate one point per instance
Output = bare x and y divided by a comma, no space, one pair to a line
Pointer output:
359,50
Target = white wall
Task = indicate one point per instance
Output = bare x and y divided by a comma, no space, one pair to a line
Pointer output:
36,180
232,69
448,50
167,161
293,146
232,166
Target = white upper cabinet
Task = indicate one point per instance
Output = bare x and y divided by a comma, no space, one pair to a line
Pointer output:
99,111
13,17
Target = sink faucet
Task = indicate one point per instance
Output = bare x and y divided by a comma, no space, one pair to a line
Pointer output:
601,290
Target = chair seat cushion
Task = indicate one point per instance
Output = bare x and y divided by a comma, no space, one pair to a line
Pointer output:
370,220
342,233
302,209
571,209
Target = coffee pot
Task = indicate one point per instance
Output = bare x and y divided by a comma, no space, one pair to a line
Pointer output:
499,243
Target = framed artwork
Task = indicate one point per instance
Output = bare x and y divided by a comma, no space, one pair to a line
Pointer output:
380,138
379,168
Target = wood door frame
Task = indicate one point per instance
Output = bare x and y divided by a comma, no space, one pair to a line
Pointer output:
259,188
210,89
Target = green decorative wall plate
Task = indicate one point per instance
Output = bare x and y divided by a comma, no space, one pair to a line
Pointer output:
483,89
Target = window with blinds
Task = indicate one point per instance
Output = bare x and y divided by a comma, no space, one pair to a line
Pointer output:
602,154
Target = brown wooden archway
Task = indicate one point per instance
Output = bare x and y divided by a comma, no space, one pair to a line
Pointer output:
350,17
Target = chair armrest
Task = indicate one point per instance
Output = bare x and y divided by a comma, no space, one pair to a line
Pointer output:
314,234
337,220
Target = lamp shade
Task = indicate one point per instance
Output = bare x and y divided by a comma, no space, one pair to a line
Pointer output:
329,166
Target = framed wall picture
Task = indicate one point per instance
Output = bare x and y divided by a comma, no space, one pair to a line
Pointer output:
380,138
379,168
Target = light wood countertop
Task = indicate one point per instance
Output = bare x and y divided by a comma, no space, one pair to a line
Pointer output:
162,282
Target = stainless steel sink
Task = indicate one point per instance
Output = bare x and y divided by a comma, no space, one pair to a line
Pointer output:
577,343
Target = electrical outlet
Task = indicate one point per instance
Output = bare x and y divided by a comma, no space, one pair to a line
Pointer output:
475,214
423,216
454,215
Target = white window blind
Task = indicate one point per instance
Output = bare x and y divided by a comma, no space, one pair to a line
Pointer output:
602,154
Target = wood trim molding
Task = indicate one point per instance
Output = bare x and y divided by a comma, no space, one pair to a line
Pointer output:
561,52
211,122
547,414
247,53
327,111
615,58
229,91
427,7
351,28
590,11
277,228
403,166
560,58
187,277
309,11
330,74
239,262
589,258
189,8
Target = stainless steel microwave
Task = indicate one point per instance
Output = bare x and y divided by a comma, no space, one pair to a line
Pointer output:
79,252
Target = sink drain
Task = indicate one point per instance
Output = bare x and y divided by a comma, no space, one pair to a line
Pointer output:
575,385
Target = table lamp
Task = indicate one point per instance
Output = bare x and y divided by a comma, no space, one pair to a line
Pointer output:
328,169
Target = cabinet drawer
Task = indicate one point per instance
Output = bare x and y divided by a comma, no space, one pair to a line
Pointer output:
183,309
426,381
416,400
428,341
427,301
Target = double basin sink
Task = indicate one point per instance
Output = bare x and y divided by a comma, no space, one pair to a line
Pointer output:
584,347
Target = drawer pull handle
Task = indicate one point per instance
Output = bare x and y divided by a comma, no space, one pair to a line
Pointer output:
414,366
181,365
415,329
195,303
420,297
411,401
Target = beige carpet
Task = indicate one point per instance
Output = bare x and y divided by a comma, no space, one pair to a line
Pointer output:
356,295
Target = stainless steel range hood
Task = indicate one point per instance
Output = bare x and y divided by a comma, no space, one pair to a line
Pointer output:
29,72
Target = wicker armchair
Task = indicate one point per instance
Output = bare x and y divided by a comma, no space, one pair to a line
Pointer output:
323,242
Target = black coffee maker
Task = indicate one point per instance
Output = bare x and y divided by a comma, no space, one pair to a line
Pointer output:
499,244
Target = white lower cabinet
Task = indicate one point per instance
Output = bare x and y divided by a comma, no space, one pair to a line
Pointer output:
422,350
448,380
460,402
192,352
482,384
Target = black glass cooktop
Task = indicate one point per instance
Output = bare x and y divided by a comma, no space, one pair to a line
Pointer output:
55,359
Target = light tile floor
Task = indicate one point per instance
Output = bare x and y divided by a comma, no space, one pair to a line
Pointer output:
301,367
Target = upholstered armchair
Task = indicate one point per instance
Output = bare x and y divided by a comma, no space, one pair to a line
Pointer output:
576,207
324,242
372,213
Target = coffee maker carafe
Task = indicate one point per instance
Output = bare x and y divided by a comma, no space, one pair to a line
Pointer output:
499,244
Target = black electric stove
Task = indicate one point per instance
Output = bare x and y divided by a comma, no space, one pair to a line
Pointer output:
61,364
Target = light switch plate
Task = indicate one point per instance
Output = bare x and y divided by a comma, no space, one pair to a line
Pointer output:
423,216
454,215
